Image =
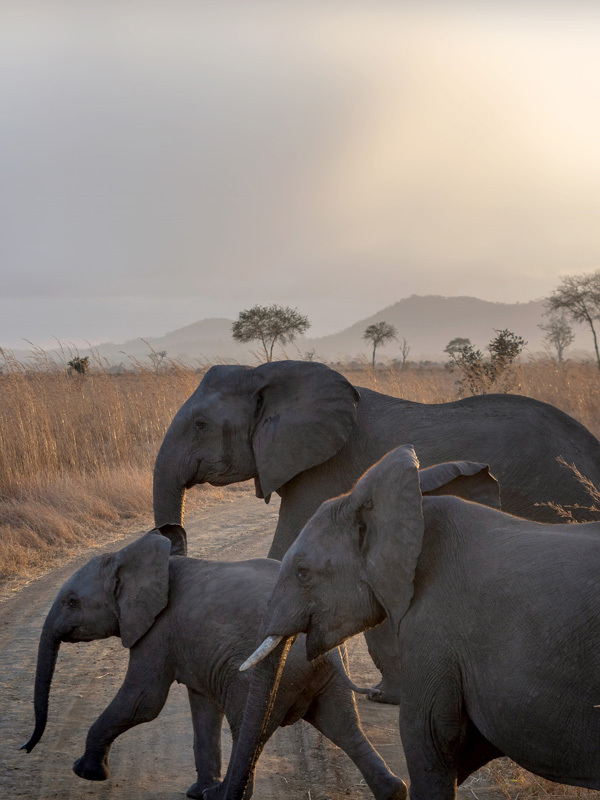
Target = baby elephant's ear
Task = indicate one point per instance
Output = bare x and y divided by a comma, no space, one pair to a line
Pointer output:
141,585
177,536
466,479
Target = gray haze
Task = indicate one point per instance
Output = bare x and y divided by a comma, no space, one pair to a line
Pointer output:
163,162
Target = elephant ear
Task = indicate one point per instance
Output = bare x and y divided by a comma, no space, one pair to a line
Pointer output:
176,534
466,479
306,412
389,530
142,585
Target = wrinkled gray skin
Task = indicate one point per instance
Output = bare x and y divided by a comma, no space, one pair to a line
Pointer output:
195,622
302,430
496,621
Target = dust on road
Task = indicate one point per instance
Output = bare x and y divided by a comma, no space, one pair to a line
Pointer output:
155,760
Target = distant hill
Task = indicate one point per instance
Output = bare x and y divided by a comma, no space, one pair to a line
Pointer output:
428,323
207,339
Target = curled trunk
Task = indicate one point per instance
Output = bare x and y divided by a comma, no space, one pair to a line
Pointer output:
258,721
46,661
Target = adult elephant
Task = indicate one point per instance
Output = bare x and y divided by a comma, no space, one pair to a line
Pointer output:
302,430
495,620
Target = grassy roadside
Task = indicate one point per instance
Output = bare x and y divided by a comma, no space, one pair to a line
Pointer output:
76,457
77,452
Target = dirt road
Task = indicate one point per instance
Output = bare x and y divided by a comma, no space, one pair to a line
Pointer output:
155,760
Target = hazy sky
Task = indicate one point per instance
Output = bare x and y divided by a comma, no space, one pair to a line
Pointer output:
162,162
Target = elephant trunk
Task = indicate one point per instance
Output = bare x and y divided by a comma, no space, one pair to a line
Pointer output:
257,721
46,661
168,491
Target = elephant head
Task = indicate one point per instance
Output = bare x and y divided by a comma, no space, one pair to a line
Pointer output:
269,423
115,594
352,540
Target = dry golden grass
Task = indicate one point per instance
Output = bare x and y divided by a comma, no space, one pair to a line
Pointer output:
76,454
516,783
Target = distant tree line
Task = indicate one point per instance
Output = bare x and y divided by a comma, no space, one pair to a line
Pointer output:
575,299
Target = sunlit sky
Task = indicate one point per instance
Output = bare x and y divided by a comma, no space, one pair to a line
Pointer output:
163,162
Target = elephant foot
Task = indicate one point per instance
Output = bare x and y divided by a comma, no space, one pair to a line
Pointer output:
384,693
91,768
215,792
398,791
197,789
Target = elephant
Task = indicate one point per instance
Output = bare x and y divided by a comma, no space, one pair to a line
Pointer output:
495,619
193,621
302,430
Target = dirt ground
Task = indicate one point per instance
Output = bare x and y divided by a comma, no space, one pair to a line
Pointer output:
155,760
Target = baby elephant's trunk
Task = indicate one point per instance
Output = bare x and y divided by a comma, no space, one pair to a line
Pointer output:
46,661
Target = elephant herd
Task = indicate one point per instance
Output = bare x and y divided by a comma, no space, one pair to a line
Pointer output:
483,622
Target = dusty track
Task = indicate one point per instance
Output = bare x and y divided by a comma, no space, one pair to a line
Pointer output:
155,760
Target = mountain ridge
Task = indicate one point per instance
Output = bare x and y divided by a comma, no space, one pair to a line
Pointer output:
427,322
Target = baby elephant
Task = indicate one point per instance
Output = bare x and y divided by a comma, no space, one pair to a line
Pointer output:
195,622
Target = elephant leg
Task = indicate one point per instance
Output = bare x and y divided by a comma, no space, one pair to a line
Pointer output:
383,649
334,714
140,699
207,719
433,732
235,715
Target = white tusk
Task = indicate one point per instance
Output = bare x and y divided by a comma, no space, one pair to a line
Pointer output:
269,644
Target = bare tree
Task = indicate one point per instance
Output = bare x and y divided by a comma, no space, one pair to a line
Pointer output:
579,297
404,351
269,325
379,333
559,334
156,358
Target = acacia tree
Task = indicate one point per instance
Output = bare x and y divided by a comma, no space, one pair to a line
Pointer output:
379,333
269,325
579,297
559,334
455,345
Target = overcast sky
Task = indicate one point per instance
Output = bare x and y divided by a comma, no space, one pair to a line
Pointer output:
163,162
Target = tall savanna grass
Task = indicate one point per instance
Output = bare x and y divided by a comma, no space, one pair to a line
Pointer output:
77,452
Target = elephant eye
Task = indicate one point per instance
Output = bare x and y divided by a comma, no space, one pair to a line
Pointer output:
302,573
73,602
362,530
199,423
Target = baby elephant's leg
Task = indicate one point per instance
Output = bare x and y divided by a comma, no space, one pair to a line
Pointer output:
334,714
207,719
140,699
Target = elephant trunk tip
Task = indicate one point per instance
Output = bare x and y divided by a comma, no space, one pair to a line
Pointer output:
36,736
